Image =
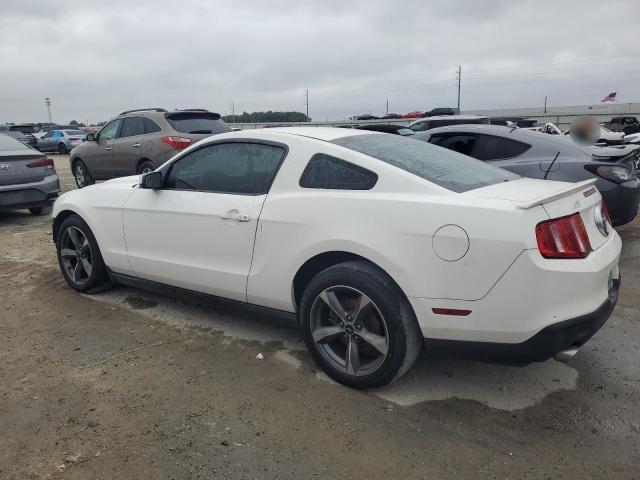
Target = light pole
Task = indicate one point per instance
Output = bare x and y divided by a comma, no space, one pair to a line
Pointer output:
47,102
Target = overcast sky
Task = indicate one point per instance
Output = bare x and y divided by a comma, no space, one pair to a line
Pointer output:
95,59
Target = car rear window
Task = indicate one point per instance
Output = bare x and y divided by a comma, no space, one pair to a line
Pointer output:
197,122
458,121
74,132
443,167
8,144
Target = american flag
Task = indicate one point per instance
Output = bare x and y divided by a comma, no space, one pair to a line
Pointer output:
610,98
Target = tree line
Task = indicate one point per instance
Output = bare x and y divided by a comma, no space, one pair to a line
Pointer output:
264,117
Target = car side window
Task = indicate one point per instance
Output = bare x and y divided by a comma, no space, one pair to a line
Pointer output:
459,143
150,126
325,171
237,168
489,147
48,135
109,131
131,127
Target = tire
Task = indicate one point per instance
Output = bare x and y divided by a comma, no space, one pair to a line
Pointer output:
40,210
382,357
79,256
146,166
81,174
62,148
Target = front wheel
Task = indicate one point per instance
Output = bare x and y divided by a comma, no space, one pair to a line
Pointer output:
358,326
79,257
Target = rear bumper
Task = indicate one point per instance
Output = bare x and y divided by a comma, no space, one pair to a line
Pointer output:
30,195
534,294
556,338
622,202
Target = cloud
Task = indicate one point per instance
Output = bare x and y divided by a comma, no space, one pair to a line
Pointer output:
94,59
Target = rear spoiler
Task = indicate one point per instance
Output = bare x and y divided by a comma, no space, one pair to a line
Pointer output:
576,187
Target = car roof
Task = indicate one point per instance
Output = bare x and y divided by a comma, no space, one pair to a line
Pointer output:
320,133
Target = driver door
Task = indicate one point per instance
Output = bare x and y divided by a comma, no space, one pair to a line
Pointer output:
101,162
197,231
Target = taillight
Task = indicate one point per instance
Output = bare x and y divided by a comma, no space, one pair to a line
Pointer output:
564,237
175,142
45,162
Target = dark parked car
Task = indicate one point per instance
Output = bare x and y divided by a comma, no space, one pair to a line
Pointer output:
444,120
443,111
391,116
393,129
139,141
28,178
628,125
22,133
366,116
536,155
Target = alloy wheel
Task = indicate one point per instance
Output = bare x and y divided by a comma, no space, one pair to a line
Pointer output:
75,253
349,331
80,175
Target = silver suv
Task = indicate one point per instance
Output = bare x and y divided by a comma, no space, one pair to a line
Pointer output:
139,141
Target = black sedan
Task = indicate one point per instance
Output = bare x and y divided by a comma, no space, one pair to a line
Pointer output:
536,155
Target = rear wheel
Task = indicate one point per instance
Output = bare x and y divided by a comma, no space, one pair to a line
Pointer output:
79,256
359,326
81,174
39,210
62,148
146,166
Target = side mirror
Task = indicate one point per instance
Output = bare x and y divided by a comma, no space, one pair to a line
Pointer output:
91,137
151,180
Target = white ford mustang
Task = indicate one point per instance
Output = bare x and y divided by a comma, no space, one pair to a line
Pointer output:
375,241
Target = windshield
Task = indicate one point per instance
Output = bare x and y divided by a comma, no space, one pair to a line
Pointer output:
443,167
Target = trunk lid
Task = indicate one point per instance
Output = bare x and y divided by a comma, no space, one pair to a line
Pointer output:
558,199
14,169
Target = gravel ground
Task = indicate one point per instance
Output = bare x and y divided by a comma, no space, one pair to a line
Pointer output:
128,385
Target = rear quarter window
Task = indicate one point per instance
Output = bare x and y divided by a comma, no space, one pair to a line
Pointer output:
443,167
326,171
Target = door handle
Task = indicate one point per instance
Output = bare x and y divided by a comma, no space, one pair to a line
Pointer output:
108,147
135,145
238,217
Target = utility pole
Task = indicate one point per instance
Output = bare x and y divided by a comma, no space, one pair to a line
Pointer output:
545,104
47,102
387,107
233,113
459,78
306,98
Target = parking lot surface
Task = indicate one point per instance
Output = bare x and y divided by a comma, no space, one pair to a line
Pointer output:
125,384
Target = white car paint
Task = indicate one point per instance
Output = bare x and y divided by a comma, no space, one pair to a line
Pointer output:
605,134
183,239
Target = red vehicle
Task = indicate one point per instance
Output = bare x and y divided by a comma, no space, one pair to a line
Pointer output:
414,115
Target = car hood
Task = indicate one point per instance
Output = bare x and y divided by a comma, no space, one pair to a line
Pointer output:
131,180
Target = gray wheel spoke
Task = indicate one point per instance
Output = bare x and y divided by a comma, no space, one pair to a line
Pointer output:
376,341
67,253
87,267
331,299
363,304
353,358
85,245
77,272
75,238
326,334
